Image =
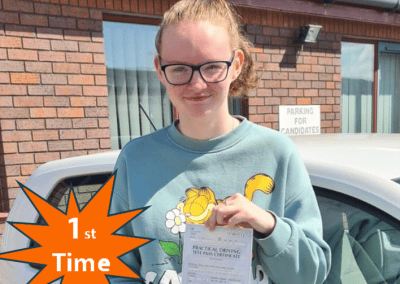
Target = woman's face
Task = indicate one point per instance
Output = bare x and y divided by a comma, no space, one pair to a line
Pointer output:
194,43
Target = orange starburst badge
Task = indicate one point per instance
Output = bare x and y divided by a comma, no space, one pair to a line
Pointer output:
78,246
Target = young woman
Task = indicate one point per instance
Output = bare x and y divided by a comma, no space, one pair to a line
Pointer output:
212,168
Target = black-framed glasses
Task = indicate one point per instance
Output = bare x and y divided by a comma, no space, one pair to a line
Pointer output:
210,72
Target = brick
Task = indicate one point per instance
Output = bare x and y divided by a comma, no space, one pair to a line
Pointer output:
9,148
33,43
56,102
47,9
50,33
28,101
272,84
73,134
76,12
280,75
101,80
68,90
288,84
96,112
17,5
38,67
311,93
264,109
10,42
52,56
7,124
9,18
296,93
81,79
105,143
20,31
303,101
41,90
13,170
46,157
16,90
54,79
68,68
64,45
63,23
22,54
18,159
85,123
91,47
77,35
95,91
32,147
16,135
45,135
98,133
28,124
73,154
11,66
272,67
288,101
6,101
318,85
93,69
58,123
70,112
260,39
91,25
102,101
325,93
99,58
330,100
34,20
303,67
27,170
14,113
310,60
325,77
271,31
256,118
330,69
330,85
318,101
83,101
337,77
318,68
104,122
276,58
280,92
271,117
25,78
3,53
42,112
304,84
60,145
254,29
86,144
79,57
311,76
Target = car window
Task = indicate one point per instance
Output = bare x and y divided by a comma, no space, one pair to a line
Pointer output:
84,186
365,242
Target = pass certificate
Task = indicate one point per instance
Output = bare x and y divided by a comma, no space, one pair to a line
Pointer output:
219,256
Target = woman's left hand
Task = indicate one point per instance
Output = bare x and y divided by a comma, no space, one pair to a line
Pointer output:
236,210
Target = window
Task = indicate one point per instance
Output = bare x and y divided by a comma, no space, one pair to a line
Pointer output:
365,242
370,87
137,100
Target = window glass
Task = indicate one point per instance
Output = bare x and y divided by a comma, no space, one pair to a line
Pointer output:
137,100
357,87
365,247
388,113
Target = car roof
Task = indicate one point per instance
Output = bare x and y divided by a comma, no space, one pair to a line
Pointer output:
375,154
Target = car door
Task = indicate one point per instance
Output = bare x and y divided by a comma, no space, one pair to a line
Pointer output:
365,241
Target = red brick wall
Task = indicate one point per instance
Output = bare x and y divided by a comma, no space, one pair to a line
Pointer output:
53,93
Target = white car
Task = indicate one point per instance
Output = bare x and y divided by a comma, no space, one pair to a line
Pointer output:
356,179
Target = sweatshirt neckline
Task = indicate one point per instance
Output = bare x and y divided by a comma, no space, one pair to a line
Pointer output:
211,145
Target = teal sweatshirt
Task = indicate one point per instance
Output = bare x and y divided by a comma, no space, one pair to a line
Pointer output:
182,179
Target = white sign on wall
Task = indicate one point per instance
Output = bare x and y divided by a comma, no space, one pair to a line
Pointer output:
300,120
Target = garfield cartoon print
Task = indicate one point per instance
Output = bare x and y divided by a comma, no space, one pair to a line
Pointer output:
197,207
